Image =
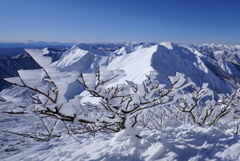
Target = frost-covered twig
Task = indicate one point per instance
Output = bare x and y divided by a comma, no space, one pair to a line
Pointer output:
202,107
123,104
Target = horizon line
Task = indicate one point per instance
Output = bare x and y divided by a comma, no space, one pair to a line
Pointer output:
109,42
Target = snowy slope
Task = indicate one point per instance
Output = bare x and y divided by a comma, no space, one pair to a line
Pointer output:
77,59
136,64
2,99
138,59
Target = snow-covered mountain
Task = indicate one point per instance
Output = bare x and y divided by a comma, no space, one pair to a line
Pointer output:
218,65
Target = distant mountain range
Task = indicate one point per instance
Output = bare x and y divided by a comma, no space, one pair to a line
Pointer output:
8,49
218,65
34,44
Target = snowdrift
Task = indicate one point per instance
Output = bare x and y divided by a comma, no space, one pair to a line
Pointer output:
182,143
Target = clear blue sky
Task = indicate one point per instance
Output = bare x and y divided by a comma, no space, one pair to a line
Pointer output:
195,21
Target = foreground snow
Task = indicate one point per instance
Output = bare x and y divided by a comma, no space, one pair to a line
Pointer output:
181,143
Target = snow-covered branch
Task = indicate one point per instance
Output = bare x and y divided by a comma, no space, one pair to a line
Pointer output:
123,104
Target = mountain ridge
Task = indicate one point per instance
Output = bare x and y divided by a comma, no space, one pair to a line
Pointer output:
197,63
218,65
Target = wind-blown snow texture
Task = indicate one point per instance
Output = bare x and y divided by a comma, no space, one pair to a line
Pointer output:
183,143
218,65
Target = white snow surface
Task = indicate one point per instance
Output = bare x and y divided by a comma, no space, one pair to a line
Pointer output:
2,99
182,143
167,45
37,55
136,65
73,56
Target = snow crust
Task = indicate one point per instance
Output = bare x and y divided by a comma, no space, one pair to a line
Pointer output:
182,143
37,55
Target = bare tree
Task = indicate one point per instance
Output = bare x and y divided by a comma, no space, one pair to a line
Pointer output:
121,106
118,106
202,107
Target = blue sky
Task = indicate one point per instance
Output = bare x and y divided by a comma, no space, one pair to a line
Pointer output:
196,21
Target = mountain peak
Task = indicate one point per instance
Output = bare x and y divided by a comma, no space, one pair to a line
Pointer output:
167,44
